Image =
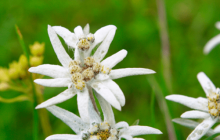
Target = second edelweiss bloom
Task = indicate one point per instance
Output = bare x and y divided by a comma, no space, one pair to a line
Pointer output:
81,75
205,108
96,129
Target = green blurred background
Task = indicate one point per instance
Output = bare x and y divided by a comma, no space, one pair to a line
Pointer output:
190,26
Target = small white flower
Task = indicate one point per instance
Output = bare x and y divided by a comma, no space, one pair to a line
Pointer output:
204,107
213,42
80,77
97,129
82,39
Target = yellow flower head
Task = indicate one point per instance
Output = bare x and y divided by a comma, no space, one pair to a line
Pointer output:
23,62
4,76
37,49
36,60
14,70
4,86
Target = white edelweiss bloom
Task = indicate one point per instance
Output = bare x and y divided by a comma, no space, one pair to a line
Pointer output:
97,129
192,125
205,108
213,42
81,77
82,39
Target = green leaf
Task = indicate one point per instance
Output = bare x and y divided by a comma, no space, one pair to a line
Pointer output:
20,98
20,38
213,136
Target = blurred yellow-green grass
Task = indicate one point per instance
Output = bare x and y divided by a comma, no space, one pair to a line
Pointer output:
190,26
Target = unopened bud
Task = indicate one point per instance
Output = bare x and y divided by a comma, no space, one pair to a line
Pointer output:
37,49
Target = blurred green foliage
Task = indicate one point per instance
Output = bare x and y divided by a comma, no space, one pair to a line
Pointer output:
190,26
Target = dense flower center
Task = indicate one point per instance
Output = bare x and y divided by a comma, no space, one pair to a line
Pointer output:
82,73
102,131
214,104
85,42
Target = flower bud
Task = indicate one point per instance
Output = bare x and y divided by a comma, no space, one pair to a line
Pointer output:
36,60
23,62
4,86
37,49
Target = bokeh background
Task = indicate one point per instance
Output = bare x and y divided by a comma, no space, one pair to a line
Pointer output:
190,26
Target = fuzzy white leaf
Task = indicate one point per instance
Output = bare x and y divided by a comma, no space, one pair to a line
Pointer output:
206,83
103,48
114,59
194,103
202,128
73,121
78,31
86,29
211,44
119,73
58,48
142,130
54,71
63,137
69,37
63,96
106,109
57,82
115,89
106,94
195,114
83,104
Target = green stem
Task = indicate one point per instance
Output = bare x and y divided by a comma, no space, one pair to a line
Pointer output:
152,110
44,119
35,115
165,45
163,106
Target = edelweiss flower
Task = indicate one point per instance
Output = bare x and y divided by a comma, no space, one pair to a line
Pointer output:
213,42
81,76
207,109
192,124
82,39
97,129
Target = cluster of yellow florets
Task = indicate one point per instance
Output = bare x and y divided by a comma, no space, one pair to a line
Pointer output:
37,51
101,131
82,73
85,42
18,70
214,104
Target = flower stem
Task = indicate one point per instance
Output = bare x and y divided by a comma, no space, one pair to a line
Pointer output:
35,115
152,110
43,115
163,107
164,44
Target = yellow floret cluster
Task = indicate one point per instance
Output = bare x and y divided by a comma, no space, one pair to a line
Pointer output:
18,70
101,131
82,73
214,104
85,42
37,51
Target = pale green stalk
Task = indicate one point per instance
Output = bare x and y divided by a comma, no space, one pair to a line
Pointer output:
165,45
163,107
152,108
37,98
